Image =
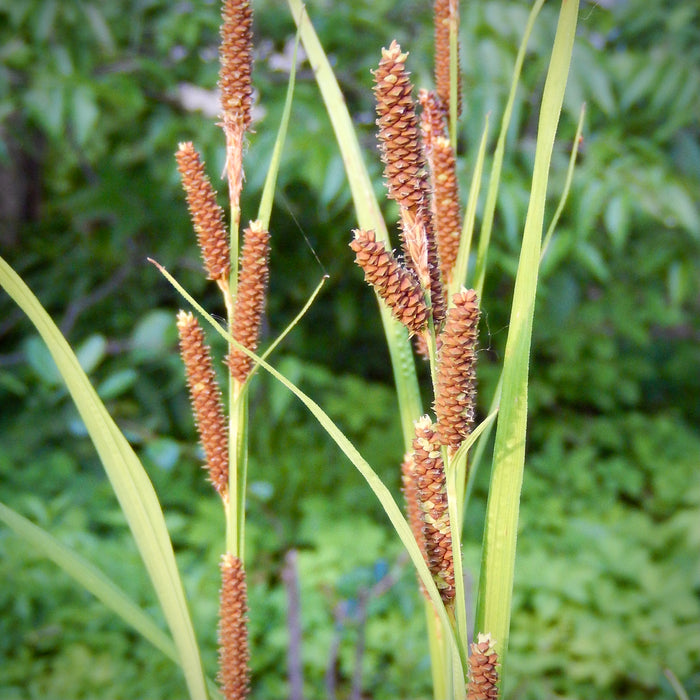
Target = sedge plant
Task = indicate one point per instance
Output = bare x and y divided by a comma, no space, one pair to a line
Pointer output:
429,303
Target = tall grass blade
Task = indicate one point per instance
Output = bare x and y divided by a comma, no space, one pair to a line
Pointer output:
90,578
498,554
268,195
465,241
368,213
131,485
495,179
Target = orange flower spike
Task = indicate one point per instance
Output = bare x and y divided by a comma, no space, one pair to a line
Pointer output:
205,396
207,216
234,654
249,304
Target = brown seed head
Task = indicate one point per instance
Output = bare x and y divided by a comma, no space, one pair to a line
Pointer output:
205,396
456,374
405,170
429,474
250,298
236,61
413,509
397,286
483,673
443,175
446,205
207,216
446,12
234,655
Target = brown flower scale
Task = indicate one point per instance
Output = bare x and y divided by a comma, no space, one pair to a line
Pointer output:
234,655
206,400
393,283
456,375
235,58
432,495
413,509
405,166
250,298
483,673
207,216
443,171
443,12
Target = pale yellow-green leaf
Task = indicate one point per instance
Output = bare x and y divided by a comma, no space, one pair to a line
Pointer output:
498,554
129,480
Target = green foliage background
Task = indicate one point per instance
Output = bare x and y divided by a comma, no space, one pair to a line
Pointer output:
92,105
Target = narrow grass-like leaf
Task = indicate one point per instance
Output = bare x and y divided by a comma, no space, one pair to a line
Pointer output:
131,485
567,183
498,553
268,194
94,581
368,214
495,179
90,578
375,483
465,241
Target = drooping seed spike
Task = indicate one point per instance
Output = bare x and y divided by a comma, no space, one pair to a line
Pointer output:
395,284
249,304
413,509
443,175
207,216
405,171
429,473
205,395
236,62
446,12
483,669
456,371
234,654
